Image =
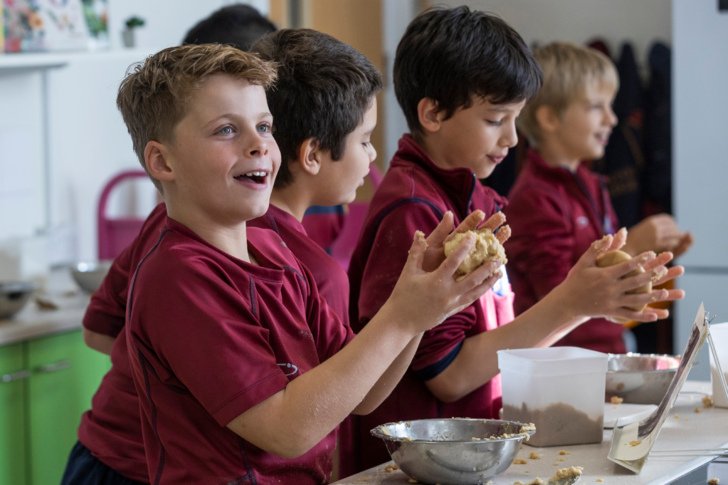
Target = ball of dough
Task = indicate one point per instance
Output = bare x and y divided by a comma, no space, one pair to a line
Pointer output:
611,258
486,248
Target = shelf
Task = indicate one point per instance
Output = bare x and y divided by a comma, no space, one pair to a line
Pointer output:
23,62
32,61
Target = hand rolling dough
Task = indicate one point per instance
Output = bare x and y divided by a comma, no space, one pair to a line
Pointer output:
486,248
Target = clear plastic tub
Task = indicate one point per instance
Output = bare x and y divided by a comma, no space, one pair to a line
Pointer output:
559,389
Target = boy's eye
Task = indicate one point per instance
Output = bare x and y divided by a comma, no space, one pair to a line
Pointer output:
226,130
265,127
494,122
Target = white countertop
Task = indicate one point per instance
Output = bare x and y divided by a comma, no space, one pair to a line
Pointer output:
684,429
34,322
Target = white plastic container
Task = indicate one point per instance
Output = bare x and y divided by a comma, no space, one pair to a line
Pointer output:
559,389
719,334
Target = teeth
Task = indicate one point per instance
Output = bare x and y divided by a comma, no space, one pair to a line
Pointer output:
256,174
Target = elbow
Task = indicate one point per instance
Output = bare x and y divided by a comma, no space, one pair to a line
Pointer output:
293,446
447,390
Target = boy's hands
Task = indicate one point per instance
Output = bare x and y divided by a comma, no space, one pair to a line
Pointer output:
435,241
658,233
427,291
603,292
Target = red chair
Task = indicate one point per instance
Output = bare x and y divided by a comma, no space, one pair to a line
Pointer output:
114,234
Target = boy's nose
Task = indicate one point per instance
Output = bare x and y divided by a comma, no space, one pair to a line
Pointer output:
260,147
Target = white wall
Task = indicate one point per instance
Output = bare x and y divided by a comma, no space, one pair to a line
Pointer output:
700,166
88,142
615,21
641,21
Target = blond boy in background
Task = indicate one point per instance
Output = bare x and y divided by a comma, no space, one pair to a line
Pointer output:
558,206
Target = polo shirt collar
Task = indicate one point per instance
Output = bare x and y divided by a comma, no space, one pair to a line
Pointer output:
458,183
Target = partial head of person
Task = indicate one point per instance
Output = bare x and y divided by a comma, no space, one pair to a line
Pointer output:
455,60
324,105
572,112
238,25
201,127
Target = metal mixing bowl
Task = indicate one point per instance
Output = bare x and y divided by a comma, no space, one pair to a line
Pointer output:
640,378
89,275
13,297
455,450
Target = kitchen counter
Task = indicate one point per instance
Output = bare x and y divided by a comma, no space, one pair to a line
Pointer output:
689,426
33,322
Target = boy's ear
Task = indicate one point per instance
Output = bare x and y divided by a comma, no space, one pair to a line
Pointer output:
547,118
309,156
429,114
155,157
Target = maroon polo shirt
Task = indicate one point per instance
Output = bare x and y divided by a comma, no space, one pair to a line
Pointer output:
211,336
555,214
331,279
111,429
414,195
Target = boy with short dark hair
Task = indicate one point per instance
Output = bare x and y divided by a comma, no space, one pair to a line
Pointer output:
242,371
462,78
325,107
558,206
239,25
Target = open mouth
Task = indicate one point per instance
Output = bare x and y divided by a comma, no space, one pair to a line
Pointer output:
256,176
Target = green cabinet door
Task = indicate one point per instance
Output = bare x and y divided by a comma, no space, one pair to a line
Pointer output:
13,377
66,374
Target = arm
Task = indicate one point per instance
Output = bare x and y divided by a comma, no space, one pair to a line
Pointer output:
98,341
433,257
657,233
105,314
586,292
296,418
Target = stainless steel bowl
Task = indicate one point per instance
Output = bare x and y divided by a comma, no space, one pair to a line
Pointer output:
455,450
13,297
640,378
89,275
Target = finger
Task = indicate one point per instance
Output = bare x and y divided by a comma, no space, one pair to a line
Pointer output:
672,273
634,282
684,245
452,262
495,221
596,248
503,234
659,260
416,253
619,239
470,295
644,260
471,222
481,273
649,315
442,231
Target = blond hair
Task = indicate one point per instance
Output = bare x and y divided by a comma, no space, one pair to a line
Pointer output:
154,96
568,70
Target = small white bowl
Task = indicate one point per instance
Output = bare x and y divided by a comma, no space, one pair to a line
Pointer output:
89,275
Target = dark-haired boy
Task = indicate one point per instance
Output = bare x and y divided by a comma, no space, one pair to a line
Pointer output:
239,25
461,78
